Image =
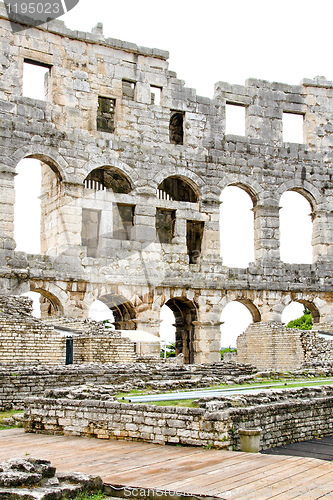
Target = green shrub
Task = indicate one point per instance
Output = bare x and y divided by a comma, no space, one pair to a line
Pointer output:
302,323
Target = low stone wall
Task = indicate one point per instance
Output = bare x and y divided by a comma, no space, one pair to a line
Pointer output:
284,416
18,382
275,347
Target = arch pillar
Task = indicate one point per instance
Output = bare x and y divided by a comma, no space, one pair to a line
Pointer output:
266,232
7,189
322,235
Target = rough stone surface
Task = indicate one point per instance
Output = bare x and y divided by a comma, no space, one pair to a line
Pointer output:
99,127
284,416
33,479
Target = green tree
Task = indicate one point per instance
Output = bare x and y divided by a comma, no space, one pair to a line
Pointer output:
170,351
302,323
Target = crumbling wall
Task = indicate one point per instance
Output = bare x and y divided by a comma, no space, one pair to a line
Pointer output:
285,417
274,346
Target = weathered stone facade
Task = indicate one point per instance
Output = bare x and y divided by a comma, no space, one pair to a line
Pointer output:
131,187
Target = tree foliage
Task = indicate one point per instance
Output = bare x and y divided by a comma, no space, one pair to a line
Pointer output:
302,323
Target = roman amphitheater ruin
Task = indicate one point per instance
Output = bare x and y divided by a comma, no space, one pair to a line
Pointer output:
131,189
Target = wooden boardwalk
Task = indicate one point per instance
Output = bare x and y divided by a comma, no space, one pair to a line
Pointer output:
196,471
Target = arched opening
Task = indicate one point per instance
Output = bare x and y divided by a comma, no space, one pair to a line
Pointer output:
236,227
103,218
36,223
235,318
295,228
45,304
167,328
185,313
27,209
104,178
296,310
99,311
122,309
177,189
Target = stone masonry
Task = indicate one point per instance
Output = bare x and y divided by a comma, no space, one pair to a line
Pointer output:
285,416
131,186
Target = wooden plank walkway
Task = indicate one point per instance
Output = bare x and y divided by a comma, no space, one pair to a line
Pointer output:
315,448
192,470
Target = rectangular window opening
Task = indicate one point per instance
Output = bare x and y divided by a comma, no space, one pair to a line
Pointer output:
35,79
123,221
176,127
106,114
194,235
91,221
292,126
155,95
129,90
235,115
165,225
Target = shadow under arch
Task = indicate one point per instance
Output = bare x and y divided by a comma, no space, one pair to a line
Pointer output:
178,188
123,310
106,161
106,177
185,312
183,173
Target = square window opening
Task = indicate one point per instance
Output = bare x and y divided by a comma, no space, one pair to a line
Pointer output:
292,126
176,127
129,89
235,119
155,95
106,114
35,80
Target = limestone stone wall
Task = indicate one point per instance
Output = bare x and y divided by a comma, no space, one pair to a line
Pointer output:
108,150
273,346
295,416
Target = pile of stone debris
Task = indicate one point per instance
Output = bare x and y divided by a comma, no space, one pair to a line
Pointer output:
32,479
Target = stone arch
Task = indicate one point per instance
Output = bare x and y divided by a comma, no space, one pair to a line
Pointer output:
196,182
56,307
47,155
179,189
104,178
307,302
110,162
186,313
310,192
253,189
123,310
248,303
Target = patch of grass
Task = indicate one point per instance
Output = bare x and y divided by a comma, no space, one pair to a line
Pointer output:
99,495
191,403
8,414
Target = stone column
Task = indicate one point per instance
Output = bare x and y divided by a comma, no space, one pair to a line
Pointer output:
266,232
207,342
149,325
211,237
322,236
7,201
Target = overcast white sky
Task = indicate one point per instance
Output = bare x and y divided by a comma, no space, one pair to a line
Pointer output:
219,40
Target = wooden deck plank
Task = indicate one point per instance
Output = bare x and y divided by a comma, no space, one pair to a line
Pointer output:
172,468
